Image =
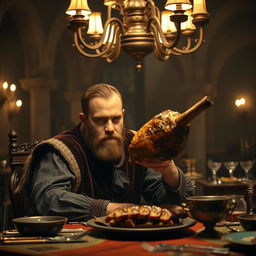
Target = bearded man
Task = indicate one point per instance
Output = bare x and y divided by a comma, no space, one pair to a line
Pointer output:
85,171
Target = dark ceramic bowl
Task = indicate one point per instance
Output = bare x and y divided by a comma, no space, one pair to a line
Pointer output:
39,225
248,221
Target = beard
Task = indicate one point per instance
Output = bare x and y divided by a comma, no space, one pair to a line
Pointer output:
107,148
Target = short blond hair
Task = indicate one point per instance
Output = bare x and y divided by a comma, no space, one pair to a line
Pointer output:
97,90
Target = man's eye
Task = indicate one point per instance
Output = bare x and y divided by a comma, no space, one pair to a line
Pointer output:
116,119
99,120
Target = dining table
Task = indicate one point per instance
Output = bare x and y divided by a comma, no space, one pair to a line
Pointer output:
207,187
105,242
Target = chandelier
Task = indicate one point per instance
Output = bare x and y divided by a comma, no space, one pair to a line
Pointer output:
138,28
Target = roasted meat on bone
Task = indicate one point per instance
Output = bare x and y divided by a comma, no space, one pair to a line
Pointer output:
141,216
165,135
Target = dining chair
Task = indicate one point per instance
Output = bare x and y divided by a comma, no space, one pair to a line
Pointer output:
18,154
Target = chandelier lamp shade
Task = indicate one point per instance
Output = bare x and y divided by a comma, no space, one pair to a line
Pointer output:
138,28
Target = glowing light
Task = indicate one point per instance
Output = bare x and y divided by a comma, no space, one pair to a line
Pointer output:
240,102
5,85
12,87
18,103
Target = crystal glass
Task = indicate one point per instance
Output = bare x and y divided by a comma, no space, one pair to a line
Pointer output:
247,165
214,167
231,166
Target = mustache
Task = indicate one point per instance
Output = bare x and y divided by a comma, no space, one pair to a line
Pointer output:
118,138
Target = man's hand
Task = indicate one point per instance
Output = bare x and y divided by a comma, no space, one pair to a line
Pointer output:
167,168
112,206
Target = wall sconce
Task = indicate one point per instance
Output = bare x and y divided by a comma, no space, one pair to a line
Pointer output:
240,103
8,99
241,106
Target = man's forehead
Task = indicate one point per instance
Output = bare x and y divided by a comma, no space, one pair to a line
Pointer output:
111,104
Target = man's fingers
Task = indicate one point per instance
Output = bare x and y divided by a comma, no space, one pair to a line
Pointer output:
155,164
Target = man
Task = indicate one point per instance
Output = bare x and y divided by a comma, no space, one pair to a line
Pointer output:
85,171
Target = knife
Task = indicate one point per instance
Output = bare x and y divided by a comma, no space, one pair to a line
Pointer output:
34,240
73,238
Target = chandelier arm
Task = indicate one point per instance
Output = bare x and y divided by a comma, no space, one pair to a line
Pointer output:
187,47
198,43
111,6
161,52
111,49
116,22
116,51
166,49
176,53
79,37
155,24
101,41
80,47
154,9
108,23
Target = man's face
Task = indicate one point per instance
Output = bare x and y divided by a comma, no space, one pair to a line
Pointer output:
104,127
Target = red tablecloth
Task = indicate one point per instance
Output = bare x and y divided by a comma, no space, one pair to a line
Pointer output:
102,245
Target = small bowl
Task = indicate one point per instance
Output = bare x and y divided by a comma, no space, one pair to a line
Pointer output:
248,221
39,225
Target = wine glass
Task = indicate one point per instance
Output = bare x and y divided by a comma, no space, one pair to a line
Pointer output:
231,166
214,167
247,165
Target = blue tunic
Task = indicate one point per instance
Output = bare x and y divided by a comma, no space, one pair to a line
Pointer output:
51,181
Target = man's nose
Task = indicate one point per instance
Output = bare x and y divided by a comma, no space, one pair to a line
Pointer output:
109,126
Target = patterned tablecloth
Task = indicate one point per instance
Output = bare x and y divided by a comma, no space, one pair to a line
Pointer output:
105,244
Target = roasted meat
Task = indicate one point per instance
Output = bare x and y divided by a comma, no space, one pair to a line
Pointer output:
143,216
165,135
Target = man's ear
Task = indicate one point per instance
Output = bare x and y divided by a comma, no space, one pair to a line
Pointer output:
82,117
123,112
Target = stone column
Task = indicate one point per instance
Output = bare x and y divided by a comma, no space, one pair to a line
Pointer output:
40,105
74,99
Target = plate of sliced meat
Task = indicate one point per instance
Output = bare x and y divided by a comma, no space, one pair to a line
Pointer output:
141,219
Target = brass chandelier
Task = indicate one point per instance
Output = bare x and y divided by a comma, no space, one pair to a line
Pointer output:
138,28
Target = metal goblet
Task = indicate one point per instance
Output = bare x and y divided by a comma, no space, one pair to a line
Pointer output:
209,210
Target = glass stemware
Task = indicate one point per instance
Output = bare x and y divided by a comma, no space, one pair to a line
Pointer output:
214,167
247,165
231,166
